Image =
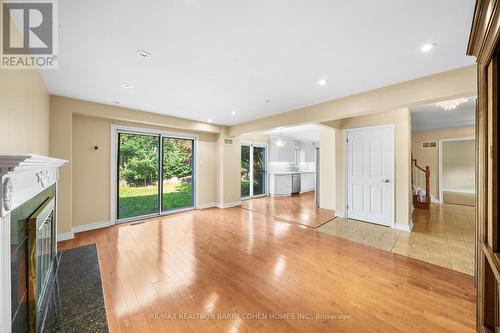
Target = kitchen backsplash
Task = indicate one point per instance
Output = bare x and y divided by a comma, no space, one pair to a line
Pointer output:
287,167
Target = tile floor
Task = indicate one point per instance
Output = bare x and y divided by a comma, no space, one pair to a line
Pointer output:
443,235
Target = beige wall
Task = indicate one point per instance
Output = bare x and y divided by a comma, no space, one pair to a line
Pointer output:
327,167
402,122
231,171
458,158
430,157
24,113
84,190
61,138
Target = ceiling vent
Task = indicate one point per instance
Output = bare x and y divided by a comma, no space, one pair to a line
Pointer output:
429,144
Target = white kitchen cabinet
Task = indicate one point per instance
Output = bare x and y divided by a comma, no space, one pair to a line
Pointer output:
280,184
309,152
273,151
282,154
307,181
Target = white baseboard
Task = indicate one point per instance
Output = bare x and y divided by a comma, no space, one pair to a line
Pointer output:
228,204
339,214
460,191
404,227
92,226
207,205
434,199
65,236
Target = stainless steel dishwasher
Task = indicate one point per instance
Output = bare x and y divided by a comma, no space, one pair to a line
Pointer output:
295,183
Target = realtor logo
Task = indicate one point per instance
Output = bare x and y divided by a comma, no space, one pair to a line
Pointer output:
29,34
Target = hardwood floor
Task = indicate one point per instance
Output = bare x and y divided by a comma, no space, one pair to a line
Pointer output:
244,264
297,208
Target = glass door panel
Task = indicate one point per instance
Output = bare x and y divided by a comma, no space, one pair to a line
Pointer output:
245,171
177,169
259,171
138,163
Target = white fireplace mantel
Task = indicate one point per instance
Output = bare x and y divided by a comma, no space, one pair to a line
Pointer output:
22,176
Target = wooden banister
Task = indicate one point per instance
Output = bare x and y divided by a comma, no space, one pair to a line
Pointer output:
427,172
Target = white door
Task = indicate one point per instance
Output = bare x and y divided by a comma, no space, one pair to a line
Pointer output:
370,187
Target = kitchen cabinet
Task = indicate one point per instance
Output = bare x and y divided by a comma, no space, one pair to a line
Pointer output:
310,152
292,152
307,181
280,184
282,154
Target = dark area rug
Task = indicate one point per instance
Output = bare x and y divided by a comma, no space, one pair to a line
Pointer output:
77,302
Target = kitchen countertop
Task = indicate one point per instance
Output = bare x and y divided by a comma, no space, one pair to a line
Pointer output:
290,172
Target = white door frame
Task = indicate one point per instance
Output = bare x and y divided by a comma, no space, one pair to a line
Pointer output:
440,162
115,129
252,144
346,173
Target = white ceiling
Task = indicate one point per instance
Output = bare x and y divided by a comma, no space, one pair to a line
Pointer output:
210,58
432,117
309,132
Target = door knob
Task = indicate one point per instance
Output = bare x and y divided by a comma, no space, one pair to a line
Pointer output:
386,181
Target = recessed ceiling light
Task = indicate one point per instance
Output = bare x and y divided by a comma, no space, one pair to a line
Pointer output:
126,85
233,113
268,101
116,102
209,120
322,82
143,54
427,47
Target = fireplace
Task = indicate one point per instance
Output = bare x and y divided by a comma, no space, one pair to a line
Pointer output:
28,223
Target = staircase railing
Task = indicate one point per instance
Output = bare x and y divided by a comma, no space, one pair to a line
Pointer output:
421,177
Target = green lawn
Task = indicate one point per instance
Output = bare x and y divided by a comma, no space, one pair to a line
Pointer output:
135,201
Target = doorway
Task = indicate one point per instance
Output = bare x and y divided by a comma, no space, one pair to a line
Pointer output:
253,171
153,173
370,174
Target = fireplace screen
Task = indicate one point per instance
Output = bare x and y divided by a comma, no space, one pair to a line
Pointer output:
41,254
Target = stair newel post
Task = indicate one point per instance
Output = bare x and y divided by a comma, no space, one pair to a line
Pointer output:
428,184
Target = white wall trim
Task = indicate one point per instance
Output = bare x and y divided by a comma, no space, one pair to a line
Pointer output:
207,205
339,214
404,227
459,191
91,226
228,204
65,236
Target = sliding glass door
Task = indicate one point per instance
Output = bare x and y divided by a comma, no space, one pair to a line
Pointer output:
245,171
155,174
259,171
138,189
253,171
178,190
